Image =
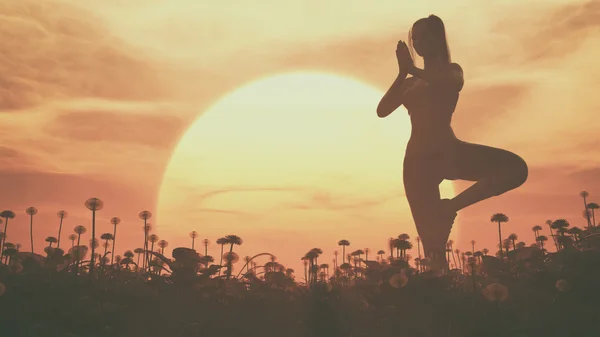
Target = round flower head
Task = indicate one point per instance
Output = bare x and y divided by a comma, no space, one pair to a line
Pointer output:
398,281
562,285
15,267
495,292
329,287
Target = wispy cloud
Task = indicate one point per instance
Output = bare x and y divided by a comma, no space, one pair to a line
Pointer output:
25,188
551,34
220,211
325,200
199,201
117,127
298,199
68,53
203,196
12,159
474,114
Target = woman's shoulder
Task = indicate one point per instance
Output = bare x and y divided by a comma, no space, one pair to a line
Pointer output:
455,67
457,75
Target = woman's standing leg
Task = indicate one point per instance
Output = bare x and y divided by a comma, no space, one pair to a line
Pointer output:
421,185
495,171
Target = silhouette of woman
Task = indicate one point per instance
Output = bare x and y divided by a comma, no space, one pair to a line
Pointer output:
433,152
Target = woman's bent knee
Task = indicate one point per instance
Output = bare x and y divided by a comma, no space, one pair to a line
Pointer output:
519,171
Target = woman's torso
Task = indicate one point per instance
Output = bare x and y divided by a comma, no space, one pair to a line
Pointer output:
430,113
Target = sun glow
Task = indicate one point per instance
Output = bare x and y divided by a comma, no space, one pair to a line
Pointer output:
289,163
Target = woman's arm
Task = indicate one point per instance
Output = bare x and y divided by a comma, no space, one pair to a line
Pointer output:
393,97
450,78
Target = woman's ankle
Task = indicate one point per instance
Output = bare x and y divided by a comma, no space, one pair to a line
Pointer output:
437,260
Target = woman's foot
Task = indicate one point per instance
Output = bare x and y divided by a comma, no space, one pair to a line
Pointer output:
438,265
446,217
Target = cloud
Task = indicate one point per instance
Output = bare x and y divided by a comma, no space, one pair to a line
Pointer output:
505,38
370,59
12,159
191,30
586,179
220,211
196,202
564,30
301,199
551,34
95,136
475,114
53,51
209,203
324,200
153,130
6,152
201,197
23,189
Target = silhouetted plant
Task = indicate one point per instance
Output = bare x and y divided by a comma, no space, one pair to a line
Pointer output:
153,238
106,237
72,237
592,206
499,218
61,215
145,215
344,243
162,244
222,242
139,252
206,242
114,221
7,215
584,195
51,240
232,240
361,293
31,211
193,236
94,205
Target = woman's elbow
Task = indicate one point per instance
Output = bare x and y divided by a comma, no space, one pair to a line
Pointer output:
459,85
384,109
382,112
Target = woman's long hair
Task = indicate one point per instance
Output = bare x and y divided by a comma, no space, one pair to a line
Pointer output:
435,27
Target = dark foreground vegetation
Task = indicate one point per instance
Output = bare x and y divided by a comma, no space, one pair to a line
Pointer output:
520,290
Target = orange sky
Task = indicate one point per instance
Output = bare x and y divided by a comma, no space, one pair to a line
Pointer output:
94,99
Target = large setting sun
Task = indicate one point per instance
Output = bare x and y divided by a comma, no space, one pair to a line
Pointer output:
289,158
